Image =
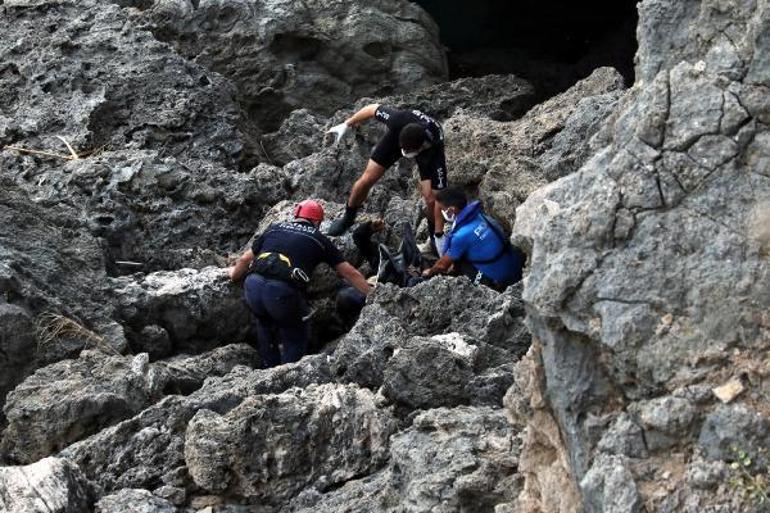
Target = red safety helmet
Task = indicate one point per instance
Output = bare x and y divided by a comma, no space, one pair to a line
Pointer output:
309,209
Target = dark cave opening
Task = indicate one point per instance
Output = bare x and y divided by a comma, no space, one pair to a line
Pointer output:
552,44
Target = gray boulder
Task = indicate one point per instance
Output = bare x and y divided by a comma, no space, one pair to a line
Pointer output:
461,459
199,309
509,160
73,399
49,263
71,80
432,372
133,501
609,487
162,212
272,446
393,316
446,370
70,400
318,54
645,273
51,485
17,348
497,97
147,450
185,374
731,429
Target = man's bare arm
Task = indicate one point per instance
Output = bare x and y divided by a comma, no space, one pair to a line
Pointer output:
354,277
240,268
362,115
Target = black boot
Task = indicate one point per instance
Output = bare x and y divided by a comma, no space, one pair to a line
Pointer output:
340,226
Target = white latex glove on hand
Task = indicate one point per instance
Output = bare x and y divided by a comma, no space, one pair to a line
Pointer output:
439,244
338,131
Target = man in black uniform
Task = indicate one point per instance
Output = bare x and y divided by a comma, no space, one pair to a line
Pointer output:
277,269
410,134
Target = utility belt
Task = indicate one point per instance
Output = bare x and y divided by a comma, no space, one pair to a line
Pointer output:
277,266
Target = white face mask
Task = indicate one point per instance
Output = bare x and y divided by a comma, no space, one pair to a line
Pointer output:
448,216
409,155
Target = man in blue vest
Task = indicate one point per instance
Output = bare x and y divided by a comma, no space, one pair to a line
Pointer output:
476,246
277,269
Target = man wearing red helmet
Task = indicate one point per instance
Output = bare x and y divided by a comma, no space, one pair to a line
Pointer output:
277,270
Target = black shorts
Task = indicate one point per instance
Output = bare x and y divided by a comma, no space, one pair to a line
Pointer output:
430,162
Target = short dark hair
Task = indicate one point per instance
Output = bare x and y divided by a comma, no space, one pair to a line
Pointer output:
452,197
412,137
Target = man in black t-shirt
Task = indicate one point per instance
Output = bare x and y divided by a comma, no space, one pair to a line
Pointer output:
277,268
410,134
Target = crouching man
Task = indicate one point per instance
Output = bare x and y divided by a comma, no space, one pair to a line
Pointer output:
277,270
476,246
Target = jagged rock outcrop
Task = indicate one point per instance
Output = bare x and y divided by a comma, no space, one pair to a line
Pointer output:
70,79
646,287
53,293
51,485
147,450
507,161
72,399
133,501
196,308
317,54
17,342
157,212
49,263
461,459
272,446
397,318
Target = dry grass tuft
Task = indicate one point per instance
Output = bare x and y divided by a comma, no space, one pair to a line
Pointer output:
52,328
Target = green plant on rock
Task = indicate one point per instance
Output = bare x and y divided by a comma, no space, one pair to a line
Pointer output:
749,477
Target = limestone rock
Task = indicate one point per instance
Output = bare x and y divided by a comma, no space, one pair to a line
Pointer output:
628,294
459,459
70,79
70,400
609,487
199,309
73,399
395,318
272,446
51,485
733,428
133,501
509,160
426,373
147,450
497,97
50,264
186,374
318,54
17,343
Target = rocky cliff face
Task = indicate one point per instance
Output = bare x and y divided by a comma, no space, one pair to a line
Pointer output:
627,373
648,279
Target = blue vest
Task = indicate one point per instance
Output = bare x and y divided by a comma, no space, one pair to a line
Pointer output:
475,240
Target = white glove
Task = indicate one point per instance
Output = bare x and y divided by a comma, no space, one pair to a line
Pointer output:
338,131
439,244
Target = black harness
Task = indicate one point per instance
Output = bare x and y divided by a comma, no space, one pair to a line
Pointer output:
277,266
